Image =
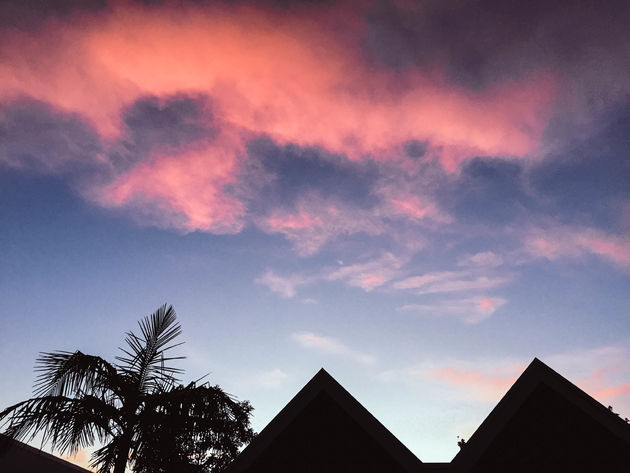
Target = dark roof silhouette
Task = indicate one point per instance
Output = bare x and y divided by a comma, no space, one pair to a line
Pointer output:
18,457
543,424
548,424
325,419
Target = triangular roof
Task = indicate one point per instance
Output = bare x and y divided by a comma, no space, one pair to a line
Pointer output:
536,375
324,383
18,457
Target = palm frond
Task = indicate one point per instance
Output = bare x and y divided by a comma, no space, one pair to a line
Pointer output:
144,356
104,458
68,424
63,373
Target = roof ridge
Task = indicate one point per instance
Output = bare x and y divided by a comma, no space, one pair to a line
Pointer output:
323,381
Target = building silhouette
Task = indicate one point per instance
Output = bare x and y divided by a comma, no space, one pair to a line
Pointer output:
543,424
18,457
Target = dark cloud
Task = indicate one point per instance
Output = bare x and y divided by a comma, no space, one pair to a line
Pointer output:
584,184
588,182
415,148
480,41
40,139
165,124
293,171
489,191
28,14
37,138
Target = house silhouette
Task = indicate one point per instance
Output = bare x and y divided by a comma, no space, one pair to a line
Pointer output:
18,457
543,424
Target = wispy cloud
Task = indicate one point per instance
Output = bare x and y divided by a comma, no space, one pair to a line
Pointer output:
331,346
165,192
603,372
384,271
272,379
450,281
286,286
572,242
370,274
367,275
482,380
487,259
485,385
472,311
400,201
318,220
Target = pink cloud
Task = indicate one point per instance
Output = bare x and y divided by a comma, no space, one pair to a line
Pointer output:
602,372
188,189
318,220
285,75
370,281
612,391
420,281
615,248
368,275
486,259
484,386
413,207
601,387
472,311
572,242
486,305
294,222
450,281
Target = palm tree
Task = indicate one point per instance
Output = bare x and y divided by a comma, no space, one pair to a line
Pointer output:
134,408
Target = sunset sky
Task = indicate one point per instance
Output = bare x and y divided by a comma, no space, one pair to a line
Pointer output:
418,196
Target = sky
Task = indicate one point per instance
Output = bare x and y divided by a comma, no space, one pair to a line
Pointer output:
418,196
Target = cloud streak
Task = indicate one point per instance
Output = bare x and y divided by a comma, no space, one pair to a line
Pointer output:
449,281
286,286
572,242
471,311
331,346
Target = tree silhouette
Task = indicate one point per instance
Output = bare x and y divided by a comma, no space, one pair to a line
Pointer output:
136,409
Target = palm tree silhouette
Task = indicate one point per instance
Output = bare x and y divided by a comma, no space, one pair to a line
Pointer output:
135,408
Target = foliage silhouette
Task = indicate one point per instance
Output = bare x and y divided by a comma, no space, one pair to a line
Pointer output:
136,409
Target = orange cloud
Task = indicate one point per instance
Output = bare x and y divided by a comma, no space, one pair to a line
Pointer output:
601,388
572,242
286,75
484,386
615,248
190,185
281,75
370,274
413,207
612,391
293,222
319,220
370,281
489,305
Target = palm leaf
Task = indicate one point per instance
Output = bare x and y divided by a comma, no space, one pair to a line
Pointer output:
63,373
67,423
144,357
